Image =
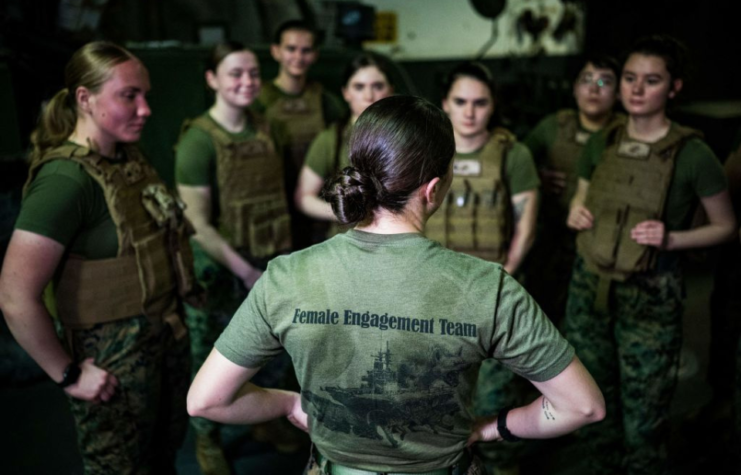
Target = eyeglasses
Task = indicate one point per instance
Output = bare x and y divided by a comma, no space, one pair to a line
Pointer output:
600,82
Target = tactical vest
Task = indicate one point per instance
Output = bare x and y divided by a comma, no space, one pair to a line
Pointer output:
154,262
476,216
304,120
563,156
628,186
254,214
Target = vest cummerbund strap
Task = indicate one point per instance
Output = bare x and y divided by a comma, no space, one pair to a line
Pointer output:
98,291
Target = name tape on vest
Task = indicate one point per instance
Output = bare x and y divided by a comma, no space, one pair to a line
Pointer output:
634,150
467,167
295,105
581,137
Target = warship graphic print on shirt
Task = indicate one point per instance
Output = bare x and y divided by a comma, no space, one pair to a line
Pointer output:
393,398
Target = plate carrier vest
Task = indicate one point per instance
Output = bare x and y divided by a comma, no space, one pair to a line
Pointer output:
154,263
476,215
628,186
254,213
303,118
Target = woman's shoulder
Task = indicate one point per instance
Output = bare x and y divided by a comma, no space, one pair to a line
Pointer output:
63,169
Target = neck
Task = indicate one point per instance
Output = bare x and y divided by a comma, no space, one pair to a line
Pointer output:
231,118
290,84
648,129
88,136
386,222
593,123
471,143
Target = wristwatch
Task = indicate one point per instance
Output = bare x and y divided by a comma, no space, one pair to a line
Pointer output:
71,375
502,426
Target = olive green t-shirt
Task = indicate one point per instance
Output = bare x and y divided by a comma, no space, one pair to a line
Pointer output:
387,334
520,173
542,138
323,152
697,174
66,204
195,156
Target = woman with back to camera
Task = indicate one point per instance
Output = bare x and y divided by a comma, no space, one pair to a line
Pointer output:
98,224
231,178
387,329
639,184
366,79
490,212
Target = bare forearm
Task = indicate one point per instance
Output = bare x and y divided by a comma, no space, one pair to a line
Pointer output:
216,246
525,207
704,236
33,329
541,419
522,241
251,405
316,207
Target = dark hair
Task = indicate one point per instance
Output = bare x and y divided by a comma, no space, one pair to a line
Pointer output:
397,144
221,51
89,67
365,60
671,50
602,61
473,70
294,25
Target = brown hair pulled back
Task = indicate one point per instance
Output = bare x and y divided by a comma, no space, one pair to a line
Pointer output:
89,67
397,144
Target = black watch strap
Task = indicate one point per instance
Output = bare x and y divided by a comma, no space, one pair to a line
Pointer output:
71,375
502,426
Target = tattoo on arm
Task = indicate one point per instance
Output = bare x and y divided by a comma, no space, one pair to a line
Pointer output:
519,208
547,410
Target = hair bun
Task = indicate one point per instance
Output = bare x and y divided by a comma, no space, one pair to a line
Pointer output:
352,195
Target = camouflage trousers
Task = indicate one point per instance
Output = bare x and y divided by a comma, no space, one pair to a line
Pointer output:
632,351
224,295
498,388
549,262
141,428
323,467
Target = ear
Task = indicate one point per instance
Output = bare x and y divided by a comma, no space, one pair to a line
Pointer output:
84,99
676,87
446,106
211,80
431,191
275,52
345,94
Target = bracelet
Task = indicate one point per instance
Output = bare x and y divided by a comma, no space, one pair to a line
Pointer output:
502,426
70,376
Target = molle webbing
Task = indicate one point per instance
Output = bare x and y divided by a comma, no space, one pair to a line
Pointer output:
630,185
304,119
153,248
476,217
254,212
98,291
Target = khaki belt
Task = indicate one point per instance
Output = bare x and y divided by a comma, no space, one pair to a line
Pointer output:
459,468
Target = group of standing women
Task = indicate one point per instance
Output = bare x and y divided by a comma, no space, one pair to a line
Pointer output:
102,245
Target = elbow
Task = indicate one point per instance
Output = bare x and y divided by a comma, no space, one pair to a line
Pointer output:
197,405
594,410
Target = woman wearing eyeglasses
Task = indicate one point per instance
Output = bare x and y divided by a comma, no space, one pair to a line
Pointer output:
556,144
